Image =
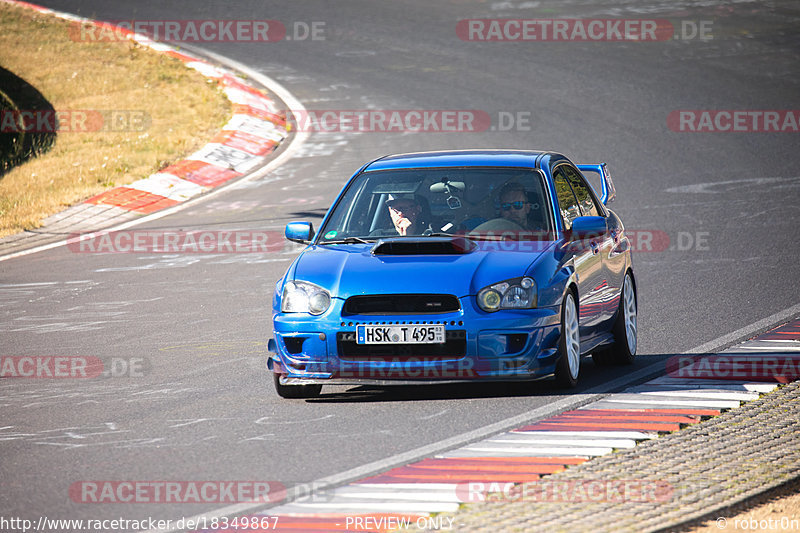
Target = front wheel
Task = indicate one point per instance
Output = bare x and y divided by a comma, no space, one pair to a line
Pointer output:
295,391
569,345
625,329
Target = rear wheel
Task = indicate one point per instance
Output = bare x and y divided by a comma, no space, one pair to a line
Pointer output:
295,391
569,345
625,329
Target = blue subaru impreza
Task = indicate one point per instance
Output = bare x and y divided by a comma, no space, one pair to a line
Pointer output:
484,265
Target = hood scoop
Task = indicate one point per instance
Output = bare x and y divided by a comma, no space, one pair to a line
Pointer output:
423,246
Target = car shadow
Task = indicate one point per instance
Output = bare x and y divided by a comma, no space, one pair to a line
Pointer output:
444,391
593,377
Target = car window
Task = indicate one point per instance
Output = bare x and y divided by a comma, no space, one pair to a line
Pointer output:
567,203
582,192
458,200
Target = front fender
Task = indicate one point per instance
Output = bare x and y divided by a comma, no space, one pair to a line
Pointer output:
554,273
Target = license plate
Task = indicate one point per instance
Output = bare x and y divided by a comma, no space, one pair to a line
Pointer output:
411,334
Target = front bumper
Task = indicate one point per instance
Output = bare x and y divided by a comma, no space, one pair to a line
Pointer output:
502,346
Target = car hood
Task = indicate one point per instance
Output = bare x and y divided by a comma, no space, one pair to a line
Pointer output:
352,269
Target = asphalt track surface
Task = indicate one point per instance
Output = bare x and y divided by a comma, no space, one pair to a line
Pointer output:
205,410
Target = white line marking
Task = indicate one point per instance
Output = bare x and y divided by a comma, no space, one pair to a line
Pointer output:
721,404
605,443
636,435
266,420
577,436
355,507
667,383
440,413
564,451
17,285
708,394
369,493
463,453
773,350
435,487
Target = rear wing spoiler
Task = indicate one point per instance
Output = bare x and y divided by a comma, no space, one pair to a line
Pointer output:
608,192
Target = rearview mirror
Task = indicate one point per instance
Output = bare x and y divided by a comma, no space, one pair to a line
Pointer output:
301,232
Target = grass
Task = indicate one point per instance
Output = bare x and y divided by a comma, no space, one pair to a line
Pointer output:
174,111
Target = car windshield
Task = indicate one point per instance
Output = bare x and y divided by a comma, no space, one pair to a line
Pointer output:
481,203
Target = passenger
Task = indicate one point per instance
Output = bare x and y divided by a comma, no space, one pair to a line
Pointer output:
514,208
514,204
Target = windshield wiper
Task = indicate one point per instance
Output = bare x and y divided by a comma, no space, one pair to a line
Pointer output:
350,240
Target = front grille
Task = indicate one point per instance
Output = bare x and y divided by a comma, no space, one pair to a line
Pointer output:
401,304
454,347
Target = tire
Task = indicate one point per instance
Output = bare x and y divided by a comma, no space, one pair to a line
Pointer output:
295,391
568,366
625,329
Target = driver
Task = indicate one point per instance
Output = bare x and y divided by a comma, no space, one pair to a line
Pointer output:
405,211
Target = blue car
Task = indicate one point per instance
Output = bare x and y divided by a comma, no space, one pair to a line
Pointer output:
451,266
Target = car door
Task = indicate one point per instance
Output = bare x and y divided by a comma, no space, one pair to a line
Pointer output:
606,285
587,261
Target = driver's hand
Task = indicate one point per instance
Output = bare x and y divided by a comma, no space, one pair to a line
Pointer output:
402,225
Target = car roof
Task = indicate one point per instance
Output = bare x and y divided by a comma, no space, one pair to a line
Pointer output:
460,158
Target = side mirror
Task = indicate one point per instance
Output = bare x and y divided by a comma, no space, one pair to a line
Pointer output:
301,232
588,228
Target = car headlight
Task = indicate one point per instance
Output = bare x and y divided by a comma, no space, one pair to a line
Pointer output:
518,293
304,297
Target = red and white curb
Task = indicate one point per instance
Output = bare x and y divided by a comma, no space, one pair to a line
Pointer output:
411,494
255,130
